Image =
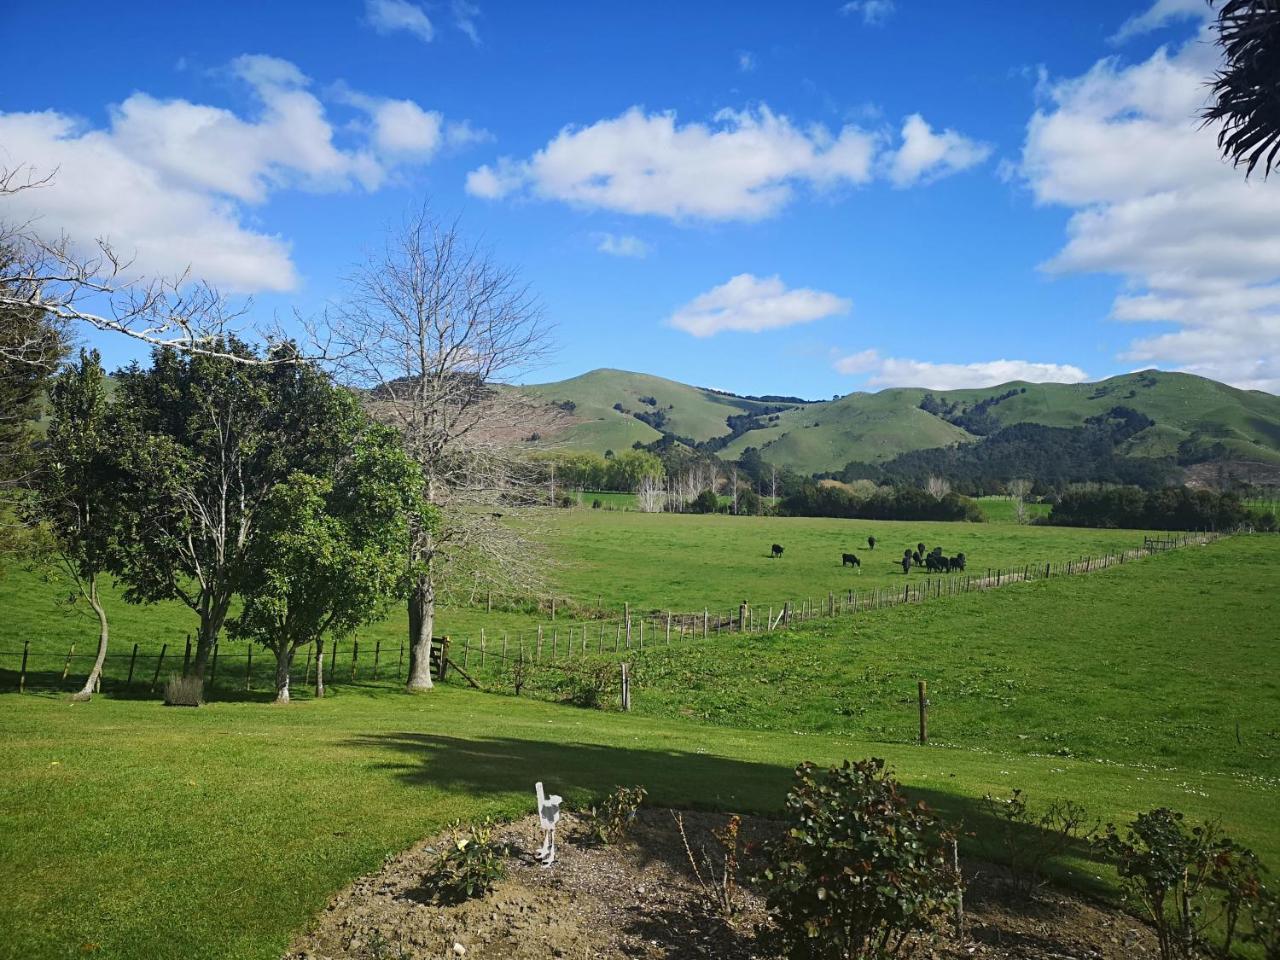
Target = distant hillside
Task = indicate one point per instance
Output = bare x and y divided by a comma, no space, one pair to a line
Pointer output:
1196,420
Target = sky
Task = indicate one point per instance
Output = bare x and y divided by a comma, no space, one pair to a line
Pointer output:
785,198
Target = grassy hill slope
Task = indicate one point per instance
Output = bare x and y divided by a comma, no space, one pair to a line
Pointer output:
1221,421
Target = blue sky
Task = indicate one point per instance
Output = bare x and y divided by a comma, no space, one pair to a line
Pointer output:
786,198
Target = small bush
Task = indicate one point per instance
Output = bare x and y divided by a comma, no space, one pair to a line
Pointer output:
720,885
596,504
1179,875
859,870
612,818
589,687
468,866
1265,926
705,502
180,691
1031,841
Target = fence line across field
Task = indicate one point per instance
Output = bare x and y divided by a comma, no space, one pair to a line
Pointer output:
540,646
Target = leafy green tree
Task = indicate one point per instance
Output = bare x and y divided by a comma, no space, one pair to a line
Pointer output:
330,551
628,469
1246,90
204,440
78,486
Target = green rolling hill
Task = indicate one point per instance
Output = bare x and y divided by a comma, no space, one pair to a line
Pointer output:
1198,418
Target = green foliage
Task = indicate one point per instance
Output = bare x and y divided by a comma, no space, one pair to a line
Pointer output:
590,471
1178,875
467,866
1172,508
705,502
860,869
1030,840
1244,89
329,553
905,503
610,820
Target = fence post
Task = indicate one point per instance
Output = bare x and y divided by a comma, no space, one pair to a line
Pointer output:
743,612
642,633
668,628
553,608
22,675
400,662
355,655
555,643
306,669
248,668
482,645
626,616
132,660
159,660
504,645
377,655
537,652
922,694
466,652
186,657
333,660
705,617
213,669
66,667
626,686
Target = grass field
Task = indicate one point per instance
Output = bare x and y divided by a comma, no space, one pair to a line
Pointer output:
128,829
1001,509
596,559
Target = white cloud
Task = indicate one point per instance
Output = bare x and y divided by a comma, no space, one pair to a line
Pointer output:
391,16
1161,13
902,372
746,61
464,18
169,182
1153,202
743,166
926,156
873,12
751,304
622,246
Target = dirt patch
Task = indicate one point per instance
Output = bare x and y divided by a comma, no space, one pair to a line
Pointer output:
640,900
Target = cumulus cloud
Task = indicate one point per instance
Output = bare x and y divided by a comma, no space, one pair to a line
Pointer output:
903,372
1160,14
622,246
1153,202
873,12
392,16
169,182
744,165
925,156
750,304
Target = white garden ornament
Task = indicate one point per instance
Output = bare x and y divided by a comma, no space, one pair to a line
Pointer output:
548,817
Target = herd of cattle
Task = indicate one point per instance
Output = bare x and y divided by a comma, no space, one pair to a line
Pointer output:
934,561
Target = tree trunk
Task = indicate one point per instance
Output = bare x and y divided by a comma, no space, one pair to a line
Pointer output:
94,681
422,615
319,667
284,660
213,614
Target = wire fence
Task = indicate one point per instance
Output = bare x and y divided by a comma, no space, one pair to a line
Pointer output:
576,659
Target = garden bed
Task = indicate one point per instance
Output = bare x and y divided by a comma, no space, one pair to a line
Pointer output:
639,899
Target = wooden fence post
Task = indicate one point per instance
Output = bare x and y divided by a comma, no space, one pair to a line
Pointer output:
333,660
922,694
668,628
66,667
377,655
186,657
355,655
537,651
306,661
466,653
482,645
22,674
626,686
705,617
159,661
743,612
248,668
213,669
132,660
626,616
400,662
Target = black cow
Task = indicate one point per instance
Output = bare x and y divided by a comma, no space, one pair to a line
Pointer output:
920,549
906,562
935,563
777,550
850,560
956,563
871,543
916,558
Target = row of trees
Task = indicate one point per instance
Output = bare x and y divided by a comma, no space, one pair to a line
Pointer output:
883,503
1173,508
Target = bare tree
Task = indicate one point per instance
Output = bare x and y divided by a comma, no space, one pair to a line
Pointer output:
432,327
1019,490
937,487
650,496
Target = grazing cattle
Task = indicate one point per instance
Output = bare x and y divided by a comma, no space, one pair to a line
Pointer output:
935,563
906,563
920,549
956,563
871,543
916,558
850,560
776,550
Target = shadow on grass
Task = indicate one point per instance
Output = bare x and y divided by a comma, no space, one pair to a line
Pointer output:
583,772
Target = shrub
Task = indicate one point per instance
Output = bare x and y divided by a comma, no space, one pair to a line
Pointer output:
611,820
1265,927
1030,841
180,691
470,863
705,502
596,504
1174,872
720,885
589,686
860,868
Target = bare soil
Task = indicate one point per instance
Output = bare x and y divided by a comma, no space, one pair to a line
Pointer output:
639,899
